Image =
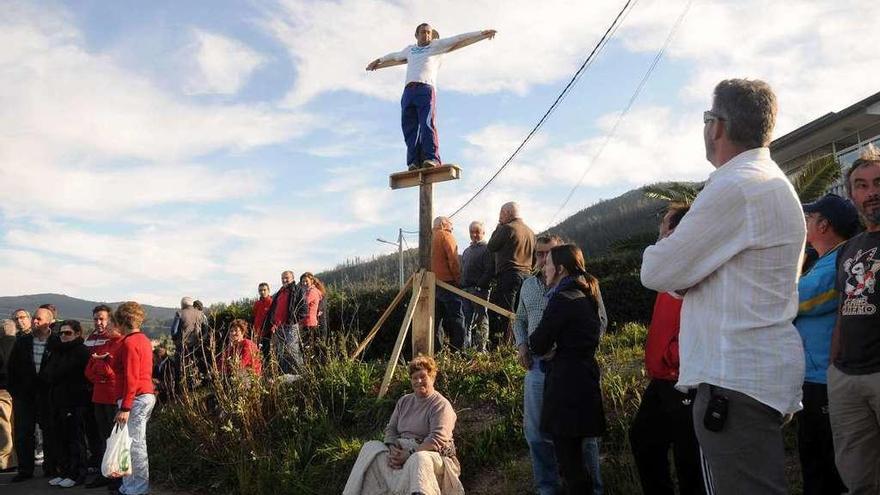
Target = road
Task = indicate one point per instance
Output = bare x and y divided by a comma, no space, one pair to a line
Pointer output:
39,485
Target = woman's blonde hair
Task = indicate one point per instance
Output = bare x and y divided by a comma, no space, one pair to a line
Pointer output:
422,362
129,315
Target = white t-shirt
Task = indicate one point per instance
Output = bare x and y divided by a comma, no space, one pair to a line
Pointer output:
423,62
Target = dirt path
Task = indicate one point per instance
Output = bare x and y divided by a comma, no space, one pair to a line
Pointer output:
40,486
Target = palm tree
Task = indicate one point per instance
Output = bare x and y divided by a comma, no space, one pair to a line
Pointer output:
810,183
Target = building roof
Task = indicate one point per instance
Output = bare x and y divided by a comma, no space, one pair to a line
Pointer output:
829,128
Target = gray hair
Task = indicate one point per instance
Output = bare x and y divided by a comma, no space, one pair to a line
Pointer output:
512,208
748,110
441,222
186,302
477,223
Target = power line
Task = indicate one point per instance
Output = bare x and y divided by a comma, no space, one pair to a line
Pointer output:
589,60
626,109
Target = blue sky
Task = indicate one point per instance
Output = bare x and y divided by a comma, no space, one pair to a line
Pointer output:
152,150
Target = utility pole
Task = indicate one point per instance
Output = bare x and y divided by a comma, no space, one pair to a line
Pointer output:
399,245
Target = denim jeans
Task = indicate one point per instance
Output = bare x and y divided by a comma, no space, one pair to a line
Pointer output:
544,466
287,346
139,481
448,315
476,322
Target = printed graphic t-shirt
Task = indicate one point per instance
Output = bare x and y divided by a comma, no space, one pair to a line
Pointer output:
858,267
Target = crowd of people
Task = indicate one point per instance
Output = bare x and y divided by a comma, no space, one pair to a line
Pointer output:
766,310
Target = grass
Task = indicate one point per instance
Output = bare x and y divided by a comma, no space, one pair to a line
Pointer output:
243,435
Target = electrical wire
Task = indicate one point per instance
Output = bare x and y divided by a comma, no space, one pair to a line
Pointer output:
618,19
626,109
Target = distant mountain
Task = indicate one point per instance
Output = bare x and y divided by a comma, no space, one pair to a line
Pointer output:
625,221
70,308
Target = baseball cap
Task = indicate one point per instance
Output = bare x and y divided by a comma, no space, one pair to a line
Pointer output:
840,213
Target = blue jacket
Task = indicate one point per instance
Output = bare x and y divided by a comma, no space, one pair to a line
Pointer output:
817,313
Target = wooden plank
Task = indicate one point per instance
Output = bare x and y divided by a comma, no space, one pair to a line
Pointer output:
401,336
375,330
483,302
426,220
423,321
412,178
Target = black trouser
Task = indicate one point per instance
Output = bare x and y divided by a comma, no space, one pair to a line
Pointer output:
449,315
105,418
27,415
815,444
664,420
570,456
506,295
93,438
71,435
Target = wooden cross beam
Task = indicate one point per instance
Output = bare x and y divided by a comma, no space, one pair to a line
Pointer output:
422,176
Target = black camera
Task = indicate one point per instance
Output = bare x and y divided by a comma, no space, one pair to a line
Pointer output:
716,413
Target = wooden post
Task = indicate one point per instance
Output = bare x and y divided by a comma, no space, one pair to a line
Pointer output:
401,336
426,218
423,321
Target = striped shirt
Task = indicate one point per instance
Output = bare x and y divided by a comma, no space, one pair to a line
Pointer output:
738,252
39,350
531,306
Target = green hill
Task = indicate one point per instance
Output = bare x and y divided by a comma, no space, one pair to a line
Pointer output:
70,308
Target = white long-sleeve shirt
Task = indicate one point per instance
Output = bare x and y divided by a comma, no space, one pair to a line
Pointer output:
738,252
423,62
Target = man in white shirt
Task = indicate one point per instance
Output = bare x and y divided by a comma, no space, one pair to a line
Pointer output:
736,258
419,102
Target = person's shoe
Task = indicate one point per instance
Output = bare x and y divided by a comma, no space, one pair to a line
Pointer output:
99,481
56,481
430,164
413,166
18,478
67,483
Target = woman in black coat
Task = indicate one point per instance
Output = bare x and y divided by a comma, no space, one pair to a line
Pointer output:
569,329
70,400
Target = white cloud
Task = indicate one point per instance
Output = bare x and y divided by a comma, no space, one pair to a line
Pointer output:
223,64
332,42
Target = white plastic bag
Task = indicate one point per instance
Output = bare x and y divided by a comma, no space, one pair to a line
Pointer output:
117,455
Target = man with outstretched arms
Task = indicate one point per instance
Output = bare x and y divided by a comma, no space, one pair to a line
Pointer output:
418,103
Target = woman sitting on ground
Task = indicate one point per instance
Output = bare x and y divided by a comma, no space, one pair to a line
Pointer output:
418,452
569,328
242,353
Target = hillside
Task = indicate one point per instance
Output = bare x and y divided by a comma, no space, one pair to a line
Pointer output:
597,229
158,318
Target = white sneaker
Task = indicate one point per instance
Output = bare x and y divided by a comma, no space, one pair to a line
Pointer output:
67,483
56,481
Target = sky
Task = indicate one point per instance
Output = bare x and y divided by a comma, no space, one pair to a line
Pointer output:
151,150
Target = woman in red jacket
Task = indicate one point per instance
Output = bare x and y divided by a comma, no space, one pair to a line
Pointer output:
314,295
133,367
241,354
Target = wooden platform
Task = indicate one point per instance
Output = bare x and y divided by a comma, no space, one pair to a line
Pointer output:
421,176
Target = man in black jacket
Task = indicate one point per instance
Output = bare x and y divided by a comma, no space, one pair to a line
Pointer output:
30,396
281,327
7,341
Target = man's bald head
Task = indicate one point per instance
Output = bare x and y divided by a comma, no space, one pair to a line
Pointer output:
42,319
442,223
509,212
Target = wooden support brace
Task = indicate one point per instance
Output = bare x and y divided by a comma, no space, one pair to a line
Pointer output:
401,336
375,330
480,301
423,176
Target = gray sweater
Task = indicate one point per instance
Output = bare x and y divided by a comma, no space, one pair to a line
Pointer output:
477,266
428,419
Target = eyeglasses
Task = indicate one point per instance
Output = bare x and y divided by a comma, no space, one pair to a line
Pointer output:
67,333
709,116
541,254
